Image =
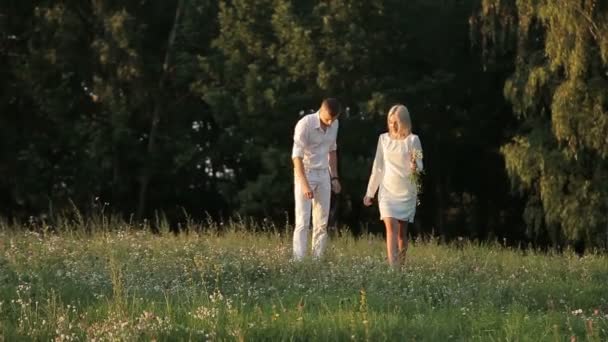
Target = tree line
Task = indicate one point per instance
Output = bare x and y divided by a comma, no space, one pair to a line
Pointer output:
189,107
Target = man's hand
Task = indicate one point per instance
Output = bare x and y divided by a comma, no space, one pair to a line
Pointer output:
336,187
307,191
367,201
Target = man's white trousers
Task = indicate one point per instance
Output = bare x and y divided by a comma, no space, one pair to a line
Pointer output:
320,185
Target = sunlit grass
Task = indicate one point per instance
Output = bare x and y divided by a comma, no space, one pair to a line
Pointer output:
226,283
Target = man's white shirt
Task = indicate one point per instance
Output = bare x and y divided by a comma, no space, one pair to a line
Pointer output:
312,143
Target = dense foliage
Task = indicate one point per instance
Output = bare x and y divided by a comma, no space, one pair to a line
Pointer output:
188,106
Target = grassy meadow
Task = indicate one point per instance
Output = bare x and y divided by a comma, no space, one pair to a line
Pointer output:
116,282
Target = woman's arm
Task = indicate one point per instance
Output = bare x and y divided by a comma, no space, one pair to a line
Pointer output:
377,171
416,150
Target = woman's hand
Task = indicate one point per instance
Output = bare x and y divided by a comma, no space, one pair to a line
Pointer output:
367,201
413,165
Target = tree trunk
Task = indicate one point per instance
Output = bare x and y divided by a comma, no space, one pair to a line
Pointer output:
156,115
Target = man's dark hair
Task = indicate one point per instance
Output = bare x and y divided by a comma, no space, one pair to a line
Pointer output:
333,106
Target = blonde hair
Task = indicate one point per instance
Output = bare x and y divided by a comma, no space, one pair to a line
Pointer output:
404,122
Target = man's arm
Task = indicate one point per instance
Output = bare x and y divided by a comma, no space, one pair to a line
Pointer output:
333,171
298,167
297,155
333,164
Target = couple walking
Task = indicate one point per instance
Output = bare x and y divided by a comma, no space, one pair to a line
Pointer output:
398,156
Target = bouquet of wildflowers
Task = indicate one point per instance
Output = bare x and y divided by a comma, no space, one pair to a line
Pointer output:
416,175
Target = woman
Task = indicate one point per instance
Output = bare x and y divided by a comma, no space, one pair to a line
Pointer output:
398,157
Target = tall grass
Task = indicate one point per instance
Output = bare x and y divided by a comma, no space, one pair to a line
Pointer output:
113,281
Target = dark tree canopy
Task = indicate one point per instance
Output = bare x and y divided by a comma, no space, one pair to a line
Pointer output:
188,106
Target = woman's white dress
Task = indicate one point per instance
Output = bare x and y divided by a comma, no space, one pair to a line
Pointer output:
391,177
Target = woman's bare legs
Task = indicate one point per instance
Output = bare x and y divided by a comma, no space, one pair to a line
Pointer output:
402,241
392,228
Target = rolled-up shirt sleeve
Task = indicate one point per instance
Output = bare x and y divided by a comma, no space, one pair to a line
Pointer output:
299,140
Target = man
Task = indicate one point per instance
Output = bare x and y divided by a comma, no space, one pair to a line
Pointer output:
315,175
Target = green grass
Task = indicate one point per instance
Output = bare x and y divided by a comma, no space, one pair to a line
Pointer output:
126,284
